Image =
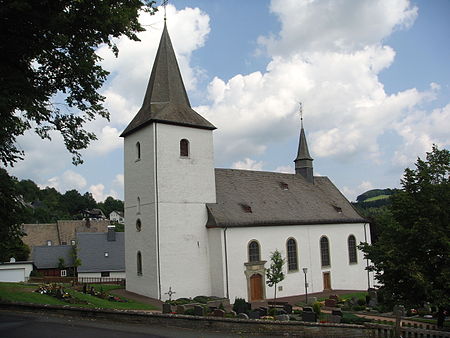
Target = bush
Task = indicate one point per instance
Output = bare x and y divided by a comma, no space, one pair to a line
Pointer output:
316,308
359,308
361,302
241,306
189,312
201,299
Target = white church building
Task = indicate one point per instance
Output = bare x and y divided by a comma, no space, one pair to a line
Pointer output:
198,230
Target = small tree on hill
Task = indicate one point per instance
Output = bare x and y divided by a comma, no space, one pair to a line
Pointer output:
274,273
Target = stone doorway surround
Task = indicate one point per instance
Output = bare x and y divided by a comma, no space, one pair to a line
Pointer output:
252,268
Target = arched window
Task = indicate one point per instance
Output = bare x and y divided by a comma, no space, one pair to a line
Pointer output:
292,259
253,252
138,151
352,257
138,225
139,263
138,205
325,251
184,148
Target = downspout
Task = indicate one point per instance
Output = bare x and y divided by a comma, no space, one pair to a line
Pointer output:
226,260
155,157
367,260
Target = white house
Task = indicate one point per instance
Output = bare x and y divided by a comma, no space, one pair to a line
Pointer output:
202,231
116,216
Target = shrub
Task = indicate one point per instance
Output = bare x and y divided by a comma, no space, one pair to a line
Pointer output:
240,306
359,308
361,302
201,299
316,308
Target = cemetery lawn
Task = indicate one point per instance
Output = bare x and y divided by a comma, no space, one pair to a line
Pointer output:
24,293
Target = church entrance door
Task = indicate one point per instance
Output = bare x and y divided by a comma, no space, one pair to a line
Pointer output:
326,281
256,289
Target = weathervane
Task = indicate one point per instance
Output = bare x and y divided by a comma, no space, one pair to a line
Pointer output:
164,4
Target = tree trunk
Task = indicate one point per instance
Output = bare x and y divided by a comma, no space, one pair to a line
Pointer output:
275,297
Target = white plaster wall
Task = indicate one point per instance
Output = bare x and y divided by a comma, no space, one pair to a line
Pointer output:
112,274
185,185
217,262
139,182
343,275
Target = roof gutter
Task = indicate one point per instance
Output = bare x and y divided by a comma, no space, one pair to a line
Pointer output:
367,260
226,260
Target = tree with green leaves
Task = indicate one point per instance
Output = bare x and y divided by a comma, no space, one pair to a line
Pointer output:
411,258
11,217
50,73
275,274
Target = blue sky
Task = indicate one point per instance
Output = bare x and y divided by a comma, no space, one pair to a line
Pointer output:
373,77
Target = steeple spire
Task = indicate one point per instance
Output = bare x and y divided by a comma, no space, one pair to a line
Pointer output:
303,162
166,100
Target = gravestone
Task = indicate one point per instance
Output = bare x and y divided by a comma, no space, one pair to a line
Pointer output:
181,309
335,297
287,308
330,302
283,317
219,313
337,312
233,314
308,309
262,311
312,300
199,310
309,316
242,315
254,314
281,312
166,308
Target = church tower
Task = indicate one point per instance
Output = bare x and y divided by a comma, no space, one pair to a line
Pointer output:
303,162
168,178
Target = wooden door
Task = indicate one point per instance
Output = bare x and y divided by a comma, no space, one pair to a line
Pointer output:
256,290
326,281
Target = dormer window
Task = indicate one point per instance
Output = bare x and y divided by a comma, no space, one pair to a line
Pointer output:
138,151
338,209
184,148
284,186
246,208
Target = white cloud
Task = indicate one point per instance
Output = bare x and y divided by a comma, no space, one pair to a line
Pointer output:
352,192
99,193
67,181
287,169
336,25
119,181
248,164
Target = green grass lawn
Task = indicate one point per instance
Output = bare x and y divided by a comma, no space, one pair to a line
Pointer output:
20,292
376,198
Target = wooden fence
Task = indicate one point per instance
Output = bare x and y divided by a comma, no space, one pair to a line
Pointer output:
421,331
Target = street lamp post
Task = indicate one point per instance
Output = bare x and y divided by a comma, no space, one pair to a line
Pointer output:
305,270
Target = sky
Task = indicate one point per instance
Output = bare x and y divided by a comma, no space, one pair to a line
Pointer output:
373,78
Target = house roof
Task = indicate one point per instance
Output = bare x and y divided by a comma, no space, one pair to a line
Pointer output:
47,257
257,198
91,251
166,100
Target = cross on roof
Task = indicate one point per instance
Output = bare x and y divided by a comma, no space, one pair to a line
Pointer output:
164,4
301,112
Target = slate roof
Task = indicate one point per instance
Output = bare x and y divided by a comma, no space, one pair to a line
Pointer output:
91,251
257,198
166,100
47,257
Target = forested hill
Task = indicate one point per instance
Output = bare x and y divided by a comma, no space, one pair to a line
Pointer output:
48,205
375,198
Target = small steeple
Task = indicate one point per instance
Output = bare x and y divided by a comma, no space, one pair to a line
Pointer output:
166,100
303,162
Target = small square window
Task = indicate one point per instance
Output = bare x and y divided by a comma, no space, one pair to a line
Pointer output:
106,254
63,273
105,273
72,242
49,243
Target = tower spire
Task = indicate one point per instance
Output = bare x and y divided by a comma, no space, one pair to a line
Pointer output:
166,100
303,161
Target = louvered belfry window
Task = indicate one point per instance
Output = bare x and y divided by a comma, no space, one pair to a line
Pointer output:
325,251
352,257
253,252
292,254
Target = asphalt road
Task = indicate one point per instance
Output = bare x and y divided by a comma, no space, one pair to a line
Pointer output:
15,325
